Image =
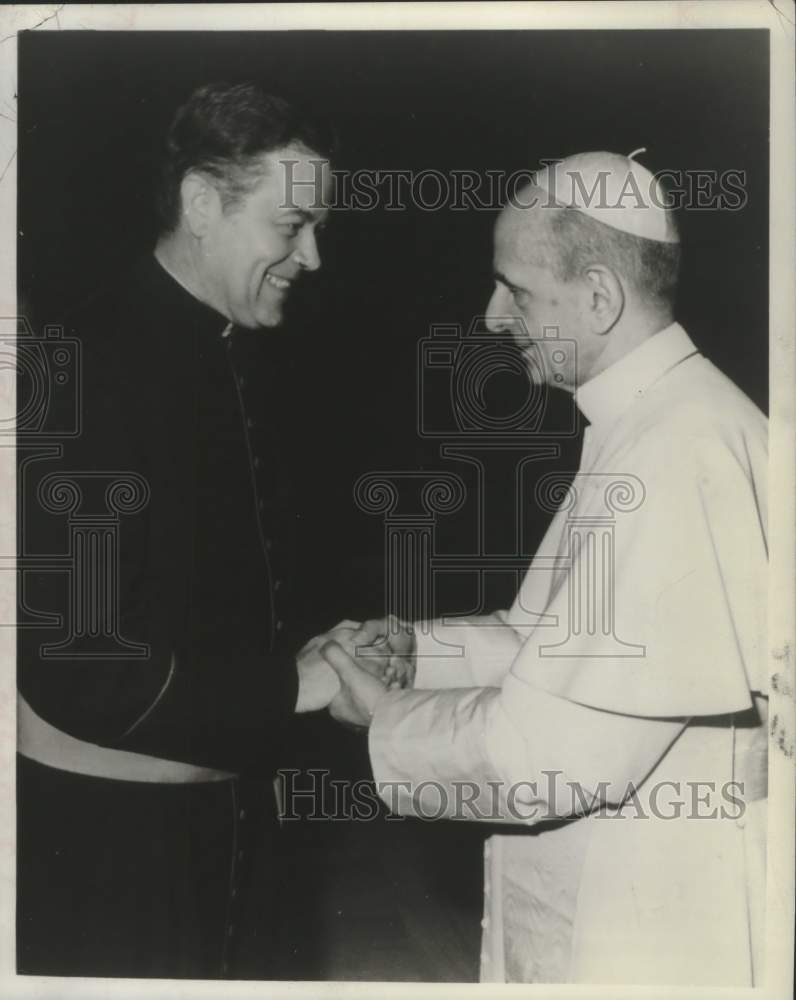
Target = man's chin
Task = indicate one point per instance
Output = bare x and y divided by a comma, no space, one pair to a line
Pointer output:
265,319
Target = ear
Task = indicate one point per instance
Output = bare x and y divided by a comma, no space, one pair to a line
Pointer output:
606,297
200,203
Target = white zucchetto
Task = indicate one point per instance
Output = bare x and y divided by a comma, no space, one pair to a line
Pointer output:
613,189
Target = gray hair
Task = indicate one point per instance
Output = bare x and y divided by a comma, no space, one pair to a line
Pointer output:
575,240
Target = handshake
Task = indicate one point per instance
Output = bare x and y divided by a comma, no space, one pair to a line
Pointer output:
349,668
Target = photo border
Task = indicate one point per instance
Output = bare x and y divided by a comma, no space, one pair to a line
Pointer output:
778,18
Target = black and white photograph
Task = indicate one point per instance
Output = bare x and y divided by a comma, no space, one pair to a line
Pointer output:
398,498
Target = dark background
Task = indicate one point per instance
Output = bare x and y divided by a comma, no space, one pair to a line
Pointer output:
93,109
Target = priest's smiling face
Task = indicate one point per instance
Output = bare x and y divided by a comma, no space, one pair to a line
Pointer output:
250,253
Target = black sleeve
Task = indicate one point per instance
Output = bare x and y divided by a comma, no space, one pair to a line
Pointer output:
91,686
222,705
238,725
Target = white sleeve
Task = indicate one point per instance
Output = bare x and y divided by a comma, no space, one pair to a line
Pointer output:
465,652
510,754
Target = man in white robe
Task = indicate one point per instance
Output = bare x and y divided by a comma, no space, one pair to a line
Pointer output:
617,711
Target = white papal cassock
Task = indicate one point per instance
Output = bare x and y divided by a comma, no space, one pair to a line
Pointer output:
646,604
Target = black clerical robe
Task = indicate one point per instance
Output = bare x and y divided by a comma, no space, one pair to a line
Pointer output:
181,654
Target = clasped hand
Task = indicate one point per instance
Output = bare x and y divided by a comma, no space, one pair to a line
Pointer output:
349,667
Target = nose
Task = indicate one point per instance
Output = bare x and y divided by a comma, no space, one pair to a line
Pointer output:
498,319
306,254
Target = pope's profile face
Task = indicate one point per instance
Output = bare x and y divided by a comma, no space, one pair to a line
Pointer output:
254,251
531,303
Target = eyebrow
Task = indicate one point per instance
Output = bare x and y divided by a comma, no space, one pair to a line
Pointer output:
319,221
295,210
499,276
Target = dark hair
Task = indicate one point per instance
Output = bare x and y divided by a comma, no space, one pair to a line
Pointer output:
223,130
577,240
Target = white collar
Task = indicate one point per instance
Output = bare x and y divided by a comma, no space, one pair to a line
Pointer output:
606,396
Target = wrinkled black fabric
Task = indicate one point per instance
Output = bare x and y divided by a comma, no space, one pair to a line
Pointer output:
202,575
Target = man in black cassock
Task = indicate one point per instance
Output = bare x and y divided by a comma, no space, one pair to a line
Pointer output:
152,723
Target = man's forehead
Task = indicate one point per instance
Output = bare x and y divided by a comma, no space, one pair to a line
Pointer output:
299,175
295,158
519,228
